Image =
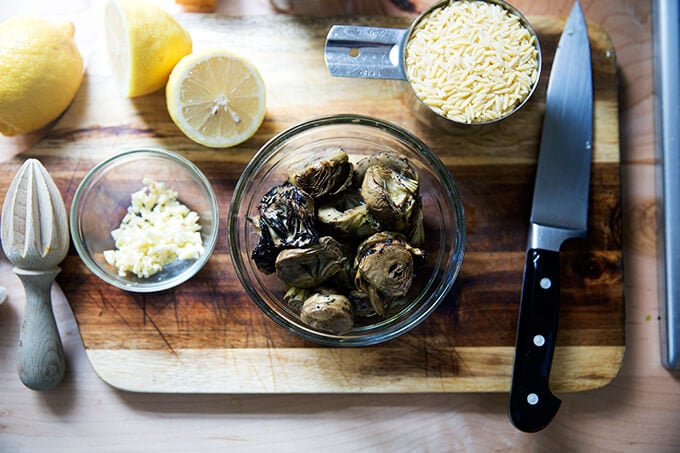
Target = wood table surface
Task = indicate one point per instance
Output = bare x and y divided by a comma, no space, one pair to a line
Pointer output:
638,411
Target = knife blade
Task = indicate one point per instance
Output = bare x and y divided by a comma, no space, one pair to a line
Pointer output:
559,212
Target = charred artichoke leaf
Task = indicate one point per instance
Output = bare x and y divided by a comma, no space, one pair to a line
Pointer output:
254,222
264,254
286,220
390,197
329,173
348,216
416,230
288,214
384,268
388,159
310,266
328,311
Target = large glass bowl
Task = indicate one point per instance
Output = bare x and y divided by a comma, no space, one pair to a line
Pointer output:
359,136
103,196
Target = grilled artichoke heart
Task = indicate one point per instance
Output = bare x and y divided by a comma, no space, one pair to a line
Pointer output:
309,267
285,220
389,159
390,196
326,310
348,216
384,268
327,174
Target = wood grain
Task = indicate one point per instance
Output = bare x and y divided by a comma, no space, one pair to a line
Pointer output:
209,323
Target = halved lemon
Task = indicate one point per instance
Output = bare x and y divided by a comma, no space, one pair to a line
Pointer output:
144,43
216,98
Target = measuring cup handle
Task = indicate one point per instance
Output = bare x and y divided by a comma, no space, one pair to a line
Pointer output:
365,52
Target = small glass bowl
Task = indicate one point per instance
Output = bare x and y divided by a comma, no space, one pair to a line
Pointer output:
103,196
359,136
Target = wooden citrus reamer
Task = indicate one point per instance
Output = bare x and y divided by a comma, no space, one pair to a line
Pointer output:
35,239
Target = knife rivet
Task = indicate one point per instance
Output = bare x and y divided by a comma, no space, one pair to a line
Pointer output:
539,340
545,283
532,399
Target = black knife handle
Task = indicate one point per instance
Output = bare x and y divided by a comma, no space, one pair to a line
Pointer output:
532,405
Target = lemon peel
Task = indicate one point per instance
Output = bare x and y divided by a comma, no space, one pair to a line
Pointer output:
41,70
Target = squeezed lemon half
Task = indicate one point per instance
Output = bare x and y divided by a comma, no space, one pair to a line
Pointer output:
216,98
144,43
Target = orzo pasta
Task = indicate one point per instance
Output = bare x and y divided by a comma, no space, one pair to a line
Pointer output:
472,61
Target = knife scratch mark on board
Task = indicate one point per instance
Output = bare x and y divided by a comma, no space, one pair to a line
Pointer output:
436,360
146,317
109,306
175,309
220,305
271,356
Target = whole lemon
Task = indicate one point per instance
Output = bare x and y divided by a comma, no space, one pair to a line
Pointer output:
40,72
144,43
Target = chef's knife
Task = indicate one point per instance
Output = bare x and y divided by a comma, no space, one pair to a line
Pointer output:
559,212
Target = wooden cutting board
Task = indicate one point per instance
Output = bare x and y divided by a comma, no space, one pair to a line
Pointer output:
208,336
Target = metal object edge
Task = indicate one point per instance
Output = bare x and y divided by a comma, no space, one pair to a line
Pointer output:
666,42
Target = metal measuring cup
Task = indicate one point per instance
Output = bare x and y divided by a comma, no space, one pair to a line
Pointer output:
380,53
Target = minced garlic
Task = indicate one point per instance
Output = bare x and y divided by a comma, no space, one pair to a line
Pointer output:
157,230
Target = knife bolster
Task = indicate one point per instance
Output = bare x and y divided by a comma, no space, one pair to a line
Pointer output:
551,238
